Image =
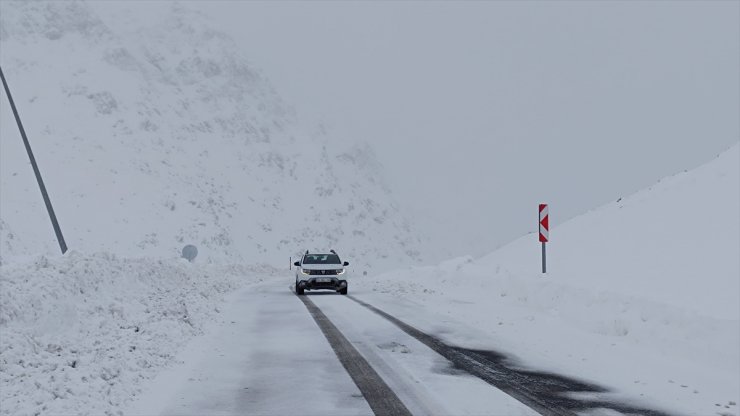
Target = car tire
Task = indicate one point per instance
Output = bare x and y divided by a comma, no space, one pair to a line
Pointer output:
298,290
343,291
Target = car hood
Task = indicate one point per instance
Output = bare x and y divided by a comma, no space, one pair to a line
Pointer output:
322,266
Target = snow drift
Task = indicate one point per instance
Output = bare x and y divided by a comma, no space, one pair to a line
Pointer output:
80,333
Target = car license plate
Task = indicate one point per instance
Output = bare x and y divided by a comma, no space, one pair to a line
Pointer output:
323,280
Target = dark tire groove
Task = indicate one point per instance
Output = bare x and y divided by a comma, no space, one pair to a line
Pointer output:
380,397
546,393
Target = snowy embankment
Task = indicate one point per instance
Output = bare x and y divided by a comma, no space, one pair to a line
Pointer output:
642,295
80,332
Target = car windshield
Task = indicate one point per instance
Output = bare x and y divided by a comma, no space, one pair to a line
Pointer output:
321,259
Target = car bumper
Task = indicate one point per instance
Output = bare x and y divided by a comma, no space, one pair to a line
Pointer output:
315,283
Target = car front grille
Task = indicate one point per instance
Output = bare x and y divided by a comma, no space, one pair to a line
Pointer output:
323,272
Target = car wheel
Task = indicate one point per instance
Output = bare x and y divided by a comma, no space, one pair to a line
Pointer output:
298,290
343,291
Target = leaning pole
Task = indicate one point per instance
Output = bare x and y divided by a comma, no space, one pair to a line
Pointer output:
44,194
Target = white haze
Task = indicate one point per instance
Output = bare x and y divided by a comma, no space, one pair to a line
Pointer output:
481,110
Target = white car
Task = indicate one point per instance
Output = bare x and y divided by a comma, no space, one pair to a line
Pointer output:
321,271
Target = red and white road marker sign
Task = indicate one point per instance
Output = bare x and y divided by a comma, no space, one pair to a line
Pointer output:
544,233
544,224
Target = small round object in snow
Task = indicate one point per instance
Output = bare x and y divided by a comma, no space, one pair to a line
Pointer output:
189,252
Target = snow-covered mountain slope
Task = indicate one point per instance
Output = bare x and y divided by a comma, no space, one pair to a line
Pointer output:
675,243
642,295
153,132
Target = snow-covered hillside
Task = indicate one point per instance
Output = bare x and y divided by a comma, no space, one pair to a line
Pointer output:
642,294
675,243
153,132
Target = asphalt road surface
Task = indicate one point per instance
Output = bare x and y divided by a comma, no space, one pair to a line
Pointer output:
327,354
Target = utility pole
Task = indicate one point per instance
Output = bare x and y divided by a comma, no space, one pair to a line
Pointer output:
47,201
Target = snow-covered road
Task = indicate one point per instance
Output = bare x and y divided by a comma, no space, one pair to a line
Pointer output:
423,379
269,356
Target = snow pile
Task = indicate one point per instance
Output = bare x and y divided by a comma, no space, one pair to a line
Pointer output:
82,332
642,295
152,131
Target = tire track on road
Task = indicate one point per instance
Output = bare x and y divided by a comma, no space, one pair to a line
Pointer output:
546,393
382,400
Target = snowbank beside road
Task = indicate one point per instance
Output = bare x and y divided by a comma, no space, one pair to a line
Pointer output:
641,295
79,333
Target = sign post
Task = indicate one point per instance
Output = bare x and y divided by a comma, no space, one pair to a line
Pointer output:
544,233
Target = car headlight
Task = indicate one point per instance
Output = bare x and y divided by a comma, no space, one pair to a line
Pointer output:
340,271
305,271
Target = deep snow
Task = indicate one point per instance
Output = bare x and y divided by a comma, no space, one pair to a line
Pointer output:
147,146
78,334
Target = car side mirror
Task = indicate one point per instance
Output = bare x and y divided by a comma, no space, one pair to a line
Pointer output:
297,264
346,263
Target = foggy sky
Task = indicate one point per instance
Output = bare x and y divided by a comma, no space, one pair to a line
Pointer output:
481,110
